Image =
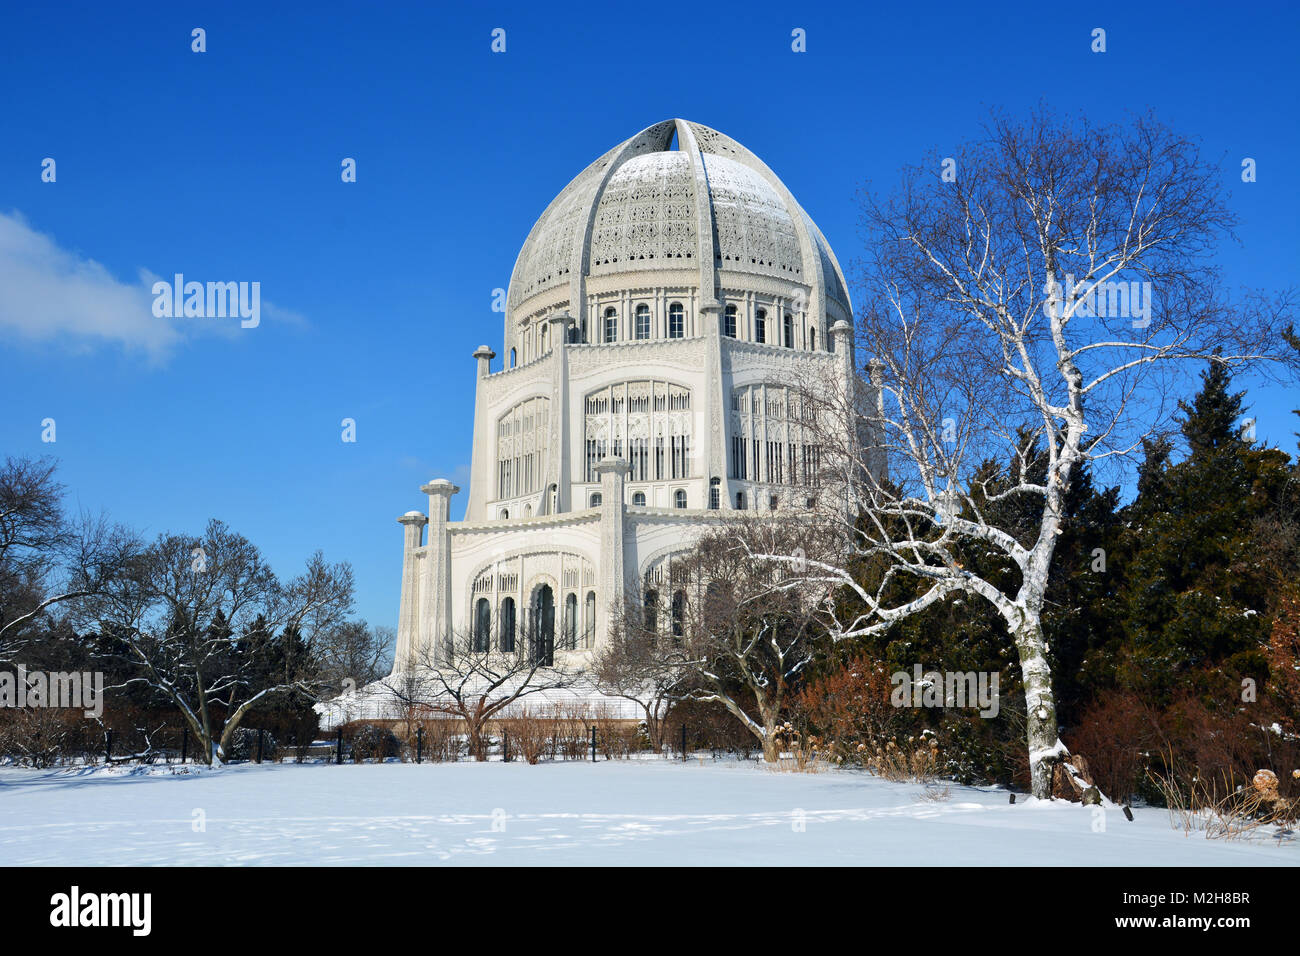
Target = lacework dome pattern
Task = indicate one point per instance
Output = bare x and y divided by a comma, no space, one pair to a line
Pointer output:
708,216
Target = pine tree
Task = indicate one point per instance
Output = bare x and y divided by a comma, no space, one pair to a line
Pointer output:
1194,594
1211,423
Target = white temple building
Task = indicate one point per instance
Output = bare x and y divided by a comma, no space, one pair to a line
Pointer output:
658,314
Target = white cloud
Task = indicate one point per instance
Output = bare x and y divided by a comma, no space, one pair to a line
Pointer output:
51,294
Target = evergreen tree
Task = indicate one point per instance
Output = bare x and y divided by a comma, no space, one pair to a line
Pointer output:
1195,594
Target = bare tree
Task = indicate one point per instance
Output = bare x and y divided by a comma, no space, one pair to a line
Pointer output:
354,654
751,621
48,559
470,679
645,660
1027,318
211,629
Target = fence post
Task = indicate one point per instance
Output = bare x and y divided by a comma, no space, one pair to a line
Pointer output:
108,746
338,753
683,740
260,733
185,742
505,746
593,743
419,743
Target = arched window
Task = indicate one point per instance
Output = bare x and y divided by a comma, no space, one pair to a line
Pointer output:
774,502
715,494
812,340
676,320
650,617
643,321
638,499
611,325
482,625
760,325
570,629
679,498
513,353
528,511
505,513
506,639
521,440
679,613
729,322
541,624
591,619
596,499
545,339
789,331
740,501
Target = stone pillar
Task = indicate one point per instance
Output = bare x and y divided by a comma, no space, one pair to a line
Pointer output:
435,585
712,431
613,583
850,394
841,343
408,609
481,462
559,452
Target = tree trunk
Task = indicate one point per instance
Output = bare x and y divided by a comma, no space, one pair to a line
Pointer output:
771,740
474,735
205,718
1045,748
653,730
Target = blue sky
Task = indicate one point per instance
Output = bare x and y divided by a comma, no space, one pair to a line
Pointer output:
225,166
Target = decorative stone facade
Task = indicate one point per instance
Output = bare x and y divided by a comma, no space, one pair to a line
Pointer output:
656,313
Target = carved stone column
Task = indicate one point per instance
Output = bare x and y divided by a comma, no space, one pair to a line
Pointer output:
435,586
408,610
613,583
480,462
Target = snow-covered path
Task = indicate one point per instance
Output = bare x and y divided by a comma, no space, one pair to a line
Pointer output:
608,813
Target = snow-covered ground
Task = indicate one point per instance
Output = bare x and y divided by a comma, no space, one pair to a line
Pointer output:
607,813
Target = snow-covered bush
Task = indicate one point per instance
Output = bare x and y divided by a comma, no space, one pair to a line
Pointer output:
243,745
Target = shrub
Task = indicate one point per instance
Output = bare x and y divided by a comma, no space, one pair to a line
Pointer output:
1115,734
243,745
708,727
444,740
368,741
851,704
44,737
532,736
1192,752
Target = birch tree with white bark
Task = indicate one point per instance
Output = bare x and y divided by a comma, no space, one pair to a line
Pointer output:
1029,307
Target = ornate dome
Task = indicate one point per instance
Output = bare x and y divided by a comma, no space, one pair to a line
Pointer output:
710,212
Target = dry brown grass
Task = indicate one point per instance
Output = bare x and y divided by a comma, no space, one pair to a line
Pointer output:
912,760
1225,807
